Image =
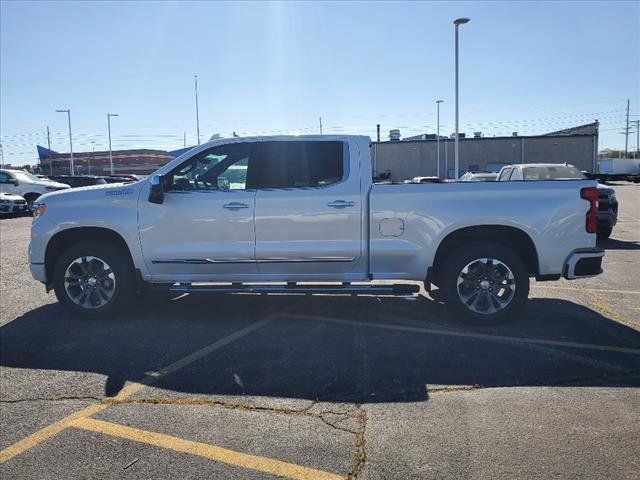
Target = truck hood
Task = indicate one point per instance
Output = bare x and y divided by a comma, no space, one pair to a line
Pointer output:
107,191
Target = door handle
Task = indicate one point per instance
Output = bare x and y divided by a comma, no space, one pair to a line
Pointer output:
235,206
340,204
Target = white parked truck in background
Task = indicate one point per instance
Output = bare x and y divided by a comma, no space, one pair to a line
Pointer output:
28,186
278,211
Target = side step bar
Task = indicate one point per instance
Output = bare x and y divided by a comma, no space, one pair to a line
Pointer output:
344,288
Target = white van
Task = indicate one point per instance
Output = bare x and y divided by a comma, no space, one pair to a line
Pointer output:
28,186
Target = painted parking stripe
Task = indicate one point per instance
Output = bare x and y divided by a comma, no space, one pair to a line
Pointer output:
152,377
47,432
212,452
482,336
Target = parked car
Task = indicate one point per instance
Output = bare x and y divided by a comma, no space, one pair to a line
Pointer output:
28,186
304,209
11,204
75,181
607,200
479,177
423,180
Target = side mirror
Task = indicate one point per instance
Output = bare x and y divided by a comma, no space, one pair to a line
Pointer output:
15,182
156,192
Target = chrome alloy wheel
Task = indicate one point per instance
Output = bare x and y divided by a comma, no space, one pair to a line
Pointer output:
89,282
486,286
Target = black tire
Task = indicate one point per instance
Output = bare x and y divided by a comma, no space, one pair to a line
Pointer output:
31,198
605,233
475,288
122,282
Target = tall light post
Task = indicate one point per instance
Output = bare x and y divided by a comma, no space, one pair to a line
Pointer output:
195,78
109,115
438,102
457,22
68,112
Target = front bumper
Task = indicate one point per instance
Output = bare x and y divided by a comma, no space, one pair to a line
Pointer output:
38,272
584,263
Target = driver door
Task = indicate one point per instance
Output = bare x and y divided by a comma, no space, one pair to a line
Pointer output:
204,229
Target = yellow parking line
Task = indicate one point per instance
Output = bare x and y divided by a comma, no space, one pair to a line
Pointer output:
212,452
56,427
483,336
47,432
603,290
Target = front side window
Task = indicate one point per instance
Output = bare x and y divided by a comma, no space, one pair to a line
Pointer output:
553,172
297,164
220,168
4,178
505,174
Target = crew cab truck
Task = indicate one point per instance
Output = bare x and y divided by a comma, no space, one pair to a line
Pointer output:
274,214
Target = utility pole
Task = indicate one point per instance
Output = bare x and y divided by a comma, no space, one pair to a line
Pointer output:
195,78
626,134
457,22
378,131
320,125
438,102
184,139
637,138
109,115
48,138
1,157
68,112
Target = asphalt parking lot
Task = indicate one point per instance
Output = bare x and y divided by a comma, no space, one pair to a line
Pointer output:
324,387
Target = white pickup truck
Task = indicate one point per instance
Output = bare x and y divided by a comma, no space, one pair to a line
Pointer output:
276,214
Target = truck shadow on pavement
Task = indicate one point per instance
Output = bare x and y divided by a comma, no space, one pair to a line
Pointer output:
613,244
338,348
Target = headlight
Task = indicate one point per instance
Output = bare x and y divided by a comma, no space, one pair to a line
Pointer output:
52,189
38,210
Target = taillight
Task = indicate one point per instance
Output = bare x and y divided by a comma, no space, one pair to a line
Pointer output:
591,194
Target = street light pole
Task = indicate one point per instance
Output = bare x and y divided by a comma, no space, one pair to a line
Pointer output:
457,22
68,112
109,115
438,102
195,78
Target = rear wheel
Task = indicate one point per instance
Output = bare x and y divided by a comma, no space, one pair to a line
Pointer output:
484,283
93,279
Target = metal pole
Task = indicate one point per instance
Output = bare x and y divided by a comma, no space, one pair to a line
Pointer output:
626,134
48,138
195,78
438,102
68,112
184,139
456,152
320,125
446,158
70,140
378,131
637,137
457,22
109,115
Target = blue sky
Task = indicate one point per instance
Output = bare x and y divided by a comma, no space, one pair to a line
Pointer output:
276,67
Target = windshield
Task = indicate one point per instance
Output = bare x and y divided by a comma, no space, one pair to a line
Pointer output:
23,175
553,172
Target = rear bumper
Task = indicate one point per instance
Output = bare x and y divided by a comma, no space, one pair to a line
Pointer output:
584,263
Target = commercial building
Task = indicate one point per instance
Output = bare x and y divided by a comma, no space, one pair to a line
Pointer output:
138,161
417,156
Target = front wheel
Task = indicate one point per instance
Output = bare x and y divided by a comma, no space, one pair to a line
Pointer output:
93,279
484,283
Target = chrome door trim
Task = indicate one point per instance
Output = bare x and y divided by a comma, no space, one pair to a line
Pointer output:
209,261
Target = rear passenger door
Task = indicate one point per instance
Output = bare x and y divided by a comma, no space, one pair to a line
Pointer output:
308,216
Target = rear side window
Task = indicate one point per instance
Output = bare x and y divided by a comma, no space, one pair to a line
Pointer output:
553,172
296,164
